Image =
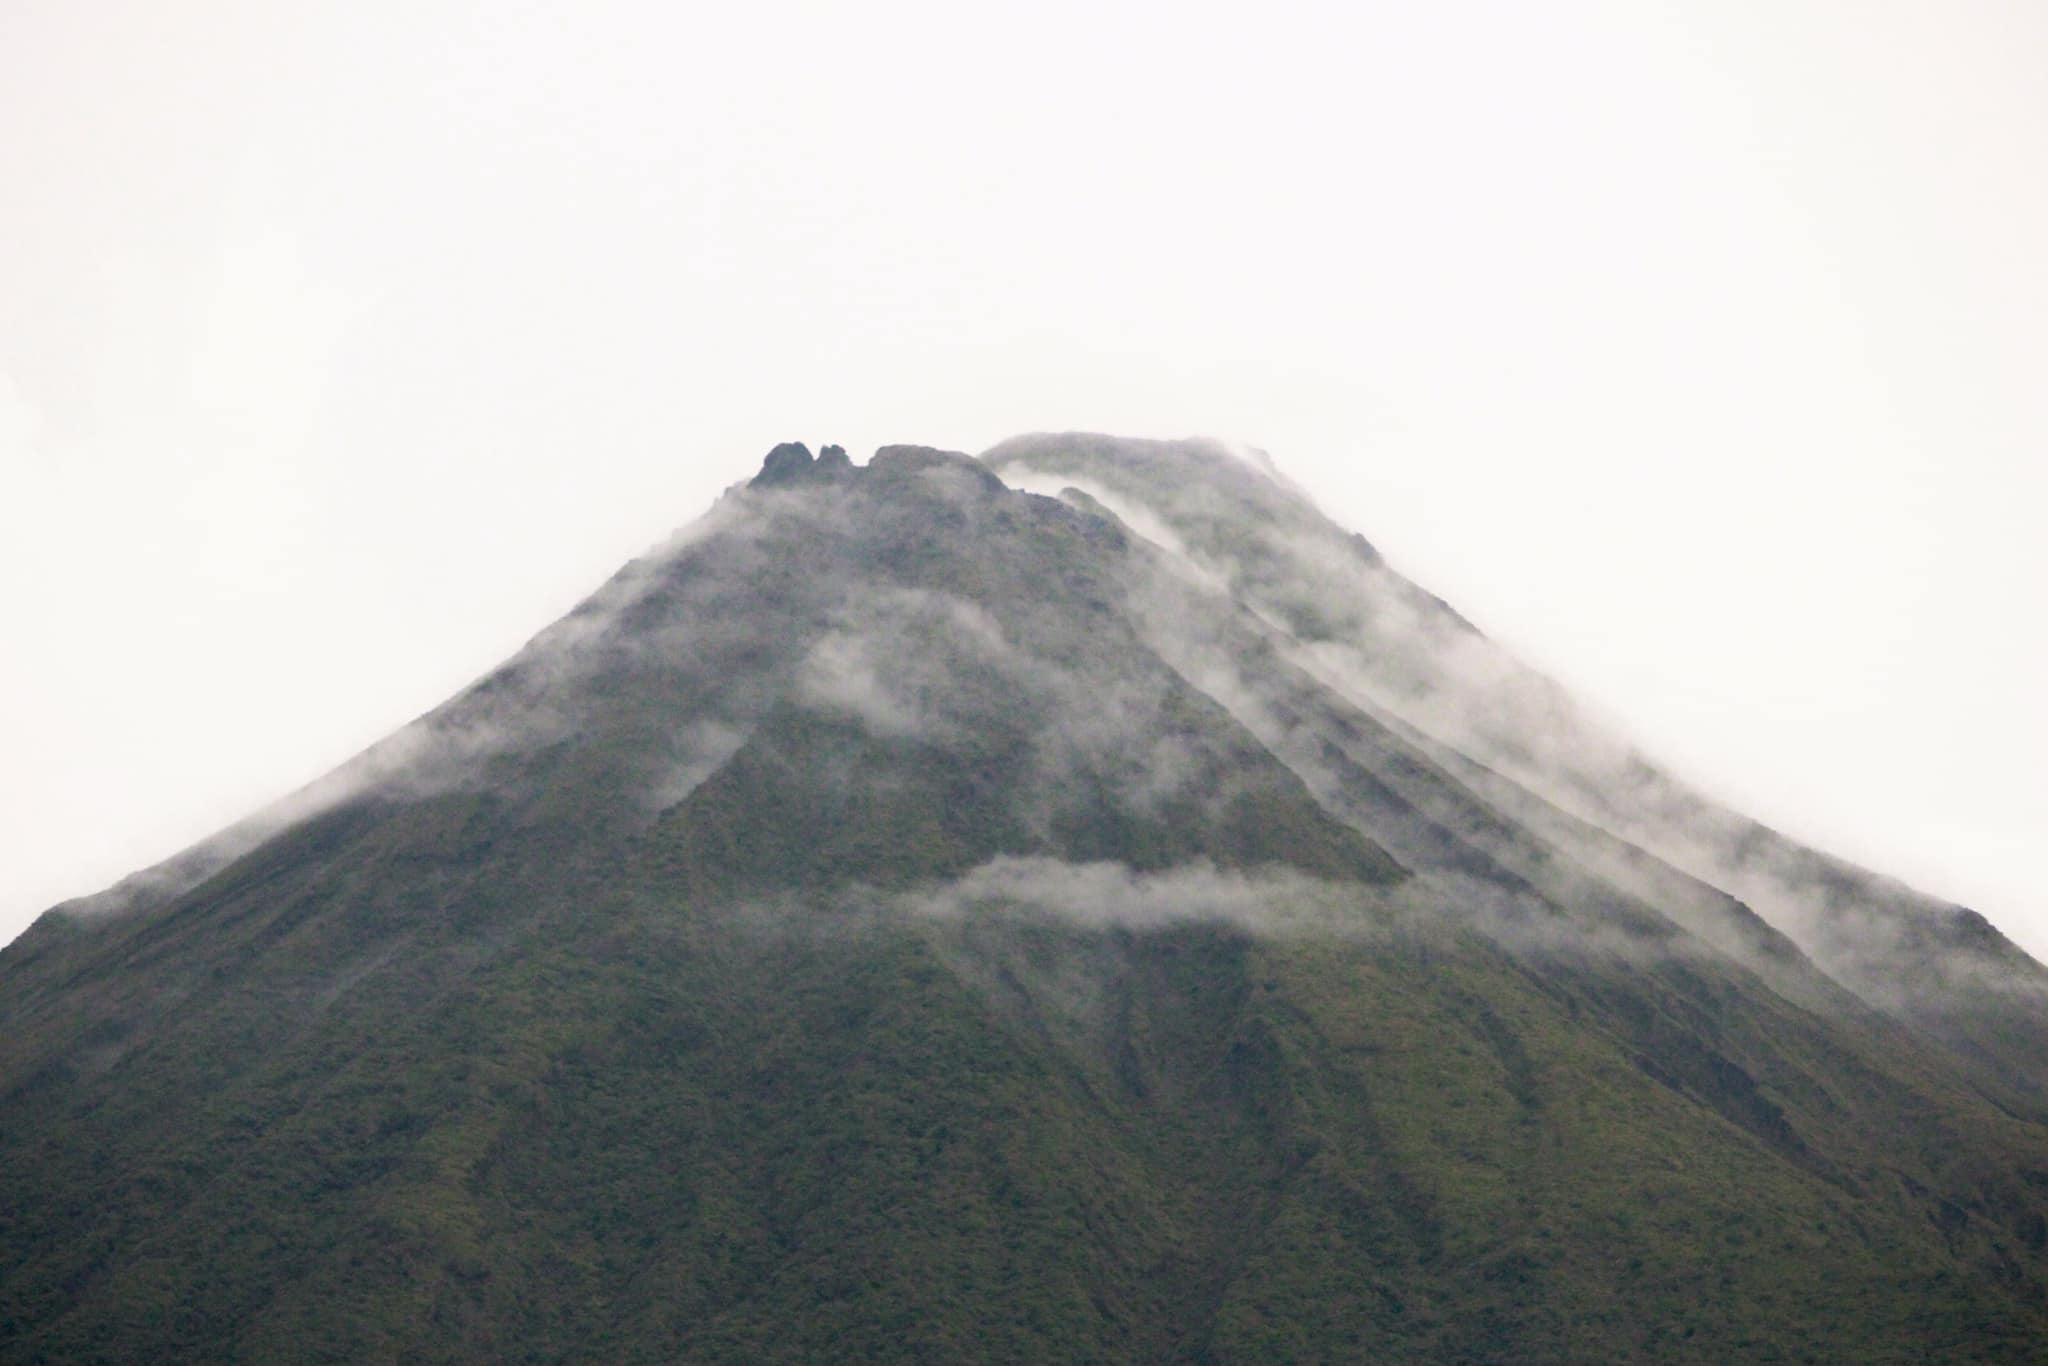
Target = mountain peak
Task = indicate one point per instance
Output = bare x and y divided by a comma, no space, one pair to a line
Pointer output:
908,915
899,461
791,464
788,463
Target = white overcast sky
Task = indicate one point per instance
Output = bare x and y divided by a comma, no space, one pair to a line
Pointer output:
1699,351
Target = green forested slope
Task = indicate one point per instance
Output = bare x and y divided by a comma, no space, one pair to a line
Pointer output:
854,938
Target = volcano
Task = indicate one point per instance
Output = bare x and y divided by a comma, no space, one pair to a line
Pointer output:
1073,903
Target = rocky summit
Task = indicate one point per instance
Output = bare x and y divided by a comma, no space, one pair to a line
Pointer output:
1075,903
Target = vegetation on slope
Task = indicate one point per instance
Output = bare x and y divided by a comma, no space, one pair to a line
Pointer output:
738,1008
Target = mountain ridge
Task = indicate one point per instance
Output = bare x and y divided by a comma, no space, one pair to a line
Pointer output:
907,915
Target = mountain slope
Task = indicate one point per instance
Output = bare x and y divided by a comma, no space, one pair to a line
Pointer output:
1384,645
909,918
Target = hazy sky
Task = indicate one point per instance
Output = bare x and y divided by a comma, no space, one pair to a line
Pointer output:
1698,351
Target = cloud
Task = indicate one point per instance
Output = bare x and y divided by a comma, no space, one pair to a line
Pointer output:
1103,895
916,664
1272,903
1335,612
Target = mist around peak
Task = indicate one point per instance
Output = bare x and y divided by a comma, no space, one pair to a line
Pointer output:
1345,617
1076,902
1063,588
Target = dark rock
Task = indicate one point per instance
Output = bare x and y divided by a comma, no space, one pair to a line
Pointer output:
788,463
903,461
833,463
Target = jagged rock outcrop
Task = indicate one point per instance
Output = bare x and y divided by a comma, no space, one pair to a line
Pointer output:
788,463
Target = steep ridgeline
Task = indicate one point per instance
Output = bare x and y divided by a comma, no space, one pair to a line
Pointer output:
907,917
1371,637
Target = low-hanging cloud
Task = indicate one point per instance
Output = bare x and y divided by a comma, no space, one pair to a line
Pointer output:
1272,902
912,664
1337,613
1106,895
